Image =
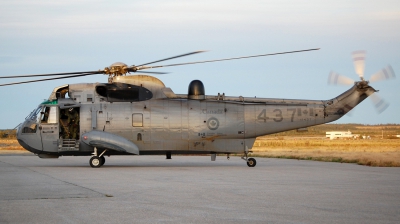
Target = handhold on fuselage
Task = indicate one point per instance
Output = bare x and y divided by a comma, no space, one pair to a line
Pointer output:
106,140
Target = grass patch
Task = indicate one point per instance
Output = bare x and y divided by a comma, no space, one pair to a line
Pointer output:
10,144
374,152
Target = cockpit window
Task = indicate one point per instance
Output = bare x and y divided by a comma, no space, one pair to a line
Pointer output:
49,115
31,128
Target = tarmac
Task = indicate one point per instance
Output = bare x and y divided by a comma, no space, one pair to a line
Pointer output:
194,189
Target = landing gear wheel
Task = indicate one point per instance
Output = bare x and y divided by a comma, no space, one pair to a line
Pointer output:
95,162
102,160
251,162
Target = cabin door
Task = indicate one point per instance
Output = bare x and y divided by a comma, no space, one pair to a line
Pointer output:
70,123
49,128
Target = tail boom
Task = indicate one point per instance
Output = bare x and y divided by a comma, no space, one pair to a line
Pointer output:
342,104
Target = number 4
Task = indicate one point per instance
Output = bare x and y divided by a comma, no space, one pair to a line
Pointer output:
263,115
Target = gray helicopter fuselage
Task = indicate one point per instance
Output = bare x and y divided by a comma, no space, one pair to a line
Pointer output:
160,121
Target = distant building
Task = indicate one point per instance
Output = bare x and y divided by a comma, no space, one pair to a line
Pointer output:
340,134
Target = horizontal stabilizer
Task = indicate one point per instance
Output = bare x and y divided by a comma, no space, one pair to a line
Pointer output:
105,140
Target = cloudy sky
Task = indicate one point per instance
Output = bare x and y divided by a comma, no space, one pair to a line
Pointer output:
67,36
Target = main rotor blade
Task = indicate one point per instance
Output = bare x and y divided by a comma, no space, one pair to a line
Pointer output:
156,73
226,59
41,80
379,103
336,79
385,73
178,56
359,63
55,74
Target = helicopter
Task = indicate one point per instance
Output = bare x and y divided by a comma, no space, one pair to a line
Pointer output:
139,115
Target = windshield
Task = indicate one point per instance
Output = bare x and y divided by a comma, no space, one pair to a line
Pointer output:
34,113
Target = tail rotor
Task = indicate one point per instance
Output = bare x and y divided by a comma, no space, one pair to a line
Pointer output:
359,66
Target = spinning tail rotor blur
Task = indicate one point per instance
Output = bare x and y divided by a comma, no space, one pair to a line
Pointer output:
386,73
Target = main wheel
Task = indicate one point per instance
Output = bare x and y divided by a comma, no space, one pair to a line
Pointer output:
95,162
251,162
102,160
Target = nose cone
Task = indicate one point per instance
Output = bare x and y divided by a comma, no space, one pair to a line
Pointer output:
28,137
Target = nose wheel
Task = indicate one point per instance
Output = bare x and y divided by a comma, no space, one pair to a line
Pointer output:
251,162
97,160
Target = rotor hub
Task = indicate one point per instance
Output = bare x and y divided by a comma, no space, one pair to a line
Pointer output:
116,69
362,84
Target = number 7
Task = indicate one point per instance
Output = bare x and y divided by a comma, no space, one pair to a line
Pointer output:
294,111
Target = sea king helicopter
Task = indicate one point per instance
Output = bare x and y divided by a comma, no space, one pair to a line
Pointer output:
139,115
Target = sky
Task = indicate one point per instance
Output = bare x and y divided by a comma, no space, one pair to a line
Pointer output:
46,36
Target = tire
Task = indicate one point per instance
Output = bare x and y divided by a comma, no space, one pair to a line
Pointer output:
95,162
102,160
251,162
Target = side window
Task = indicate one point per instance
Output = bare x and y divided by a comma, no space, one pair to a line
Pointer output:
137,120
49,115
30,129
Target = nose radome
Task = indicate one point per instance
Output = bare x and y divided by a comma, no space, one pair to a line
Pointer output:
28,138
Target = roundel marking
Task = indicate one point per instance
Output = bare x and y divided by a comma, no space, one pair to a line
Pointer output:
213,123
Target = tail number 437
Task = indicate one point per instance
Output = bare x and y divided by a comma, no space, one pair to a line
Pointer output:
276,115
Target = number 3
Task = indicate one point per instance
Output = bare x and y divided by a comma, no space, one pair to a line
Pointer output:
278,115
